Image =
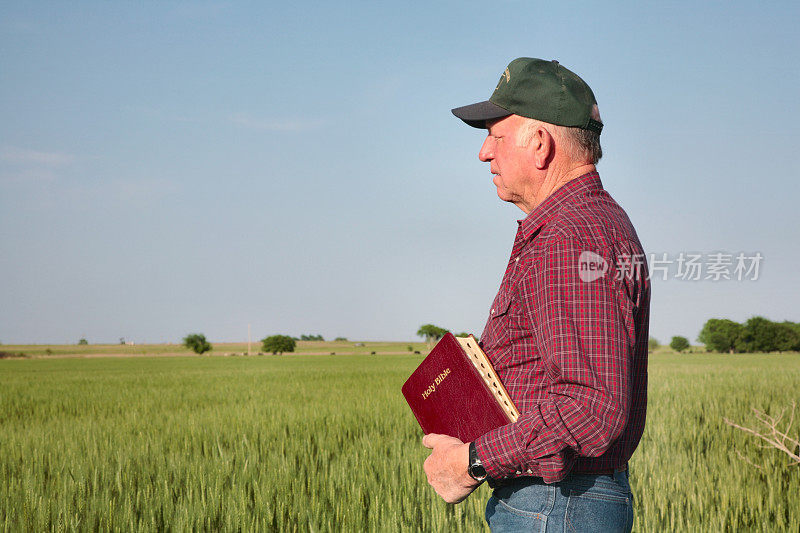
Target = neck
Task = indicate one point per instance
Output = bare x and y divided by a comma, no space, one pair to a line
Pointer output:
556,177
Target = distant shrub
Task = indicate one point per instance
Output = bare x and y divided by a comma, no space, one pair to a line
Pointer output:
410,348
679,343
652,344
340,339
197,343
83,342
9,355
278,344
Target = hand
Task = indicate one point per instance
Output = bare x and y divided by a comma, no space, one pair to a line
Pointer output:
446,467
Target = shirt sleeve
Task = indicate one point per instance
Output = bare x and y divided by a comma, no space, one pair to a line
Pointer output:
583,331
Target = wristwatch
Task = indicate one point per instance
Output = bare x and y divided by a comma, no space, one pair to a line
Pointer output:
475,469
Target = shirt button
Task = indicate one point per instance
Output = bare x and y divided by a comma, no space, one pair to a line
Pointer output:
516,259
492,311
530,471
518,472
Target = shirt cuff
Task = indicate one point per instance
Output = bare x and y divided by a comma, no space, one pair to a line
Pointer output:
501,454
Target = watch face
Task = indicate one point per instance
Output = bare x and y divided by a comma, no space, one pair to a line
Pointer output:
476,469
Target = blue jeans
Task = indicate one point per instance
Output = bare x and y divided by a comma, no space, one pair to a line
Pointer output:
580,502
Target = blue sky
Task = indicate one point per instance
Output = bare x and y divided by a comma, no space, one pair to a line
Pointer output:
175,167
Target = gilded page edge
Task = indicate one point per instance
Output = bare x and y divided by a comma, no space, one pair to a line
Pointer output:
476,355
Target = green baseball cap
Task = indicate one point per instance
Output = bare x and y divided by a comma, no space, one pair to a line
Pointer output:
539,89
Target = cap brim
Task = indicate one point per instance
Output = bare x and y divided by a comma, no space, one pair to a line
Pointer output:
476,115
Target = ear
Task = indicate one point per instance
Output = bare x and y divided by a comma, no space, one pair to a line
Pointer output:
543,147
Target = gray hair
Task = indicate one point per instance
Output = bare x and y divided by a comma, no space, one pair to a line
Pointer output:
579,144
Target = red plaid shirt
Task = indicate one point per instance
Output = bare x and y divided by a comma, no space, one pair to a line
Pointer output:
570,349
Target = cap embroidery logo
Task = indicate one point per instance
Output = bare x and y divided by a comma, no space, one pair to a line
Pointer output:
504,76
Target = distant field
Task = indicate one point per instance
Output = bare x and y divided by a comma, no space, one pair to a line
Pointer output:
225,348
304,442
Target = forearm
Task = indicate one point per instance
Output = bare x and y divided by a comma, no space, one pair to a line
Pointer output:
546,441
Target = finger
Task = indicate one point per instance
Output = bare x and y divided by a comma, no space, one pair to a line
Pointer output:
429,440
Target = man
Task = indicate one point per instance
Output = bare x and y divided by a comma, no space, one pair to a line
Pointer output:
567,331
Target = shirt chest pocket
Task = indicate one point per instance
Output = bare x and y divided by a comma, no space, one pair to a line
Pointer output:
496,336
509,332
500,307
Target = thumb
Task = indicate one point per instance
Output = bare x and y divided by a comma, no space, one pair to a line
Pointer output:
430,440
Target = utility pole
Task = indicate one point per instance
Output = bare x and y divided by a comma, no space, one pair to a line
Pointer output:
248,339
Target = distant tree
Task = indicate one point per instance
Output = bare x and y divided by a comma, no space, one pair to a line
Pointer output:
679,344
410,348
197,343
720,335
278,344
758,335
787,337
311,338
122,340
652,344
344,339
431,332
83,342
796,327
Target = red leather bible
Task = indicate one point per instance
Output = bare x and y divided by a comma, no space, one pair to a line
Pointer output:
456,392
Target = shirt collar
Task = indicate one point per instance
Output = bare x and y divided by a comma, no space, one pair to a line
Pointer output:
545,211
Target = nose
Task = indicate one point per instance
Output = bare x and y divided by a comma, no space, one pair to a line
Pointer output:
487,149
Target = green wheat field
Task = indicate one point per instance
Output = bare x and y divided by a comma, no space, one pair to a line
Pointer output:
305,442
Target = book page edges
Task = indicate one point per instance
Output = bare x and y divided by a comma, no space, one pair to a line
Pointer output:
486,371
